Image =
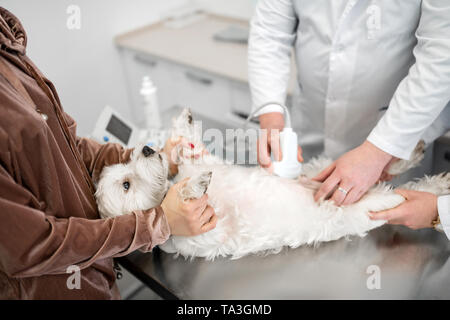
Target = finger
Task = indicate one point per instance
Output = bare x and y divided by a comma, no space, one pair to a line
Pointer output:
210,225
182,183
274,142
352,197
322,176
263,152
206,215
300,154
388,215
339,196
326,187
404,193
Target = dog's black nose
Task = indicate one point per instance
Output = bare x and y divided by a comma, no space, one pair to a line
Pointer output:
147,151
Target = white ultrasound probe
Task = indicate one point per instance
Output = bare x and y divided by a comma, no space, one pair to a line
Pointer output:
289,166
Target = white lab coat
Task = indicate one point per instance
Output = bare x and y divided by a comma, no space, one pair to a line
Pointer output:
354,58
444,213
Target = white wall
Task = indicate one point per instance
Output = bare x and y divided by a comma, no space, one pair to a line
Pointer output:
84,64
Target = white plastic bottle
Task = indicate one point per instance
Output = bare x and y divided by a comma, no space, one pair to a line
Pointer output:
151,108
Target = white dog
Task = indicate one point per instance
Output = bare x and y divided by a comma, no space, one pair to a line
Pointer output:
257,212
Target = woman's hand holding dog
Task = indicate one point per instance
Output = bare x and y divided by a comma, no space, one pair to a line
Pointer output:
188,218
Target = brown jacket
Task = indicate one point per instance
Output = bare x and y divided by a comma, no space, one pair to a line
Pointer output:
48,215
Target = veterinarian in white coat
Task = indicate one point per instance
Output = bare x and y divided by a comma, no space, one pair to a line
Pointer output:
355,59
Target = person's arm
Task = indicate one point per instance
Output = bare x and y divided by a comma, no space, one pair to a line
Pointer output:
33,243
425,91
417,102
444,213
272,35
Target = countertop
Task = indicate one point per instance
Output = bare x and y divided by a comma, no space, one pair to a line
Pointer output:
411,265
194,46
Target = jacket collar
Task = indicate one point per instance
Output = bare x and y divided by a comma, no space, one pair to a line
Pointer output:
12,34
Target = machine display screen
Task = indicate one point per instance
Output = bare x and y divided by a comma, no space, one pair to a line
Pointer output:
119,129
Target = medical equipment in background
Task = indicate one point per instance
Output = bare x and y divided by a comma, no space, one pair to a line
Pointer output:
289,166
112,127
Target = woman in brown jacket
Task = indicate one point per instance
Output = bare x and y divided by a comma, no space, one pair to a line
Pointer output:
48,215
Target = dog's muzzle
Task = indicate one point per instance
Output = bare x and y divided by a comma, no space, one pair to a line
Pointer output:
147,151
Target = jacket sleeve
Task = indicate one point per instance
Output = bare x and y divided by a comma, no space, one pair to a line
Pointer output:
444,213
272,35
425,91
34,244
97,155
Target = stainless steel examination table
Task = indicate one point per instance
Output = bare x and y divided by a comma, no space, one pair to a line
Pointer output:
411,265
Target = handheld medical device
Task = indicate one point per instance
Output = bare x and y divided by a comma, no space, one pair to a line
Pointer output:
289,166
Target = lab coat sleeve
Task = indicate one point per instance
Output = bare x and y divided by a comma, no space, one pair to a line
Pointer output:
444,213
96,155
425,91
34,244
272,35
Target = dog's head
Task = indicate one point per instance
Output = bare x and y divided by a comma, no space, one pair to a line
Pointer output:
139,184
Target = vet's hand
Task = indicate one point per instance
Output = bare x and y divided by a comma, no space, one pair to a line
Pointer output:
418,211
269,142
352,174
188,218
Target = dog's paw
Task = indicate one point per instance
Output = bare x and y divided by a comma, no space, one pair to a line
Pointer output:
196,186
182,125
402,166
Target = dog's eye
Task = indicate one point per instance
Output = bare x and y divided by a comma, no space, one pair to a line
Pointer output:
126,185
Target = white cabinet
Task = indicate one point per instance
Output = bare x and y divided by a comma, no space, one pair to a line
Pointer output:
203,92
225,101
137,66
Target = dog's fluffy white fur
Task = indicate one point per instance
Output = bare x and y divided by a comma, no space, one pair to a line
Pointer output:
257,212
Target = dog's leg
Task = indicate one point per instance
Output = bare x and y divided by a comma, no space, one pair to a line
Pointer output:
196,186
401,166
438,184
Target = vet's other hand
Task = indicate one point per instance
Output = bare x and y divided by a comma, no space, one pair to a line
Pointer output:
418,210
269,141
188,218
352,174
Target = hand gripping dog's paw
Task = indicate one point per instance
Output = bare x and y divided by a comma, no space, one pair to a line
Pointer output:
196,186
